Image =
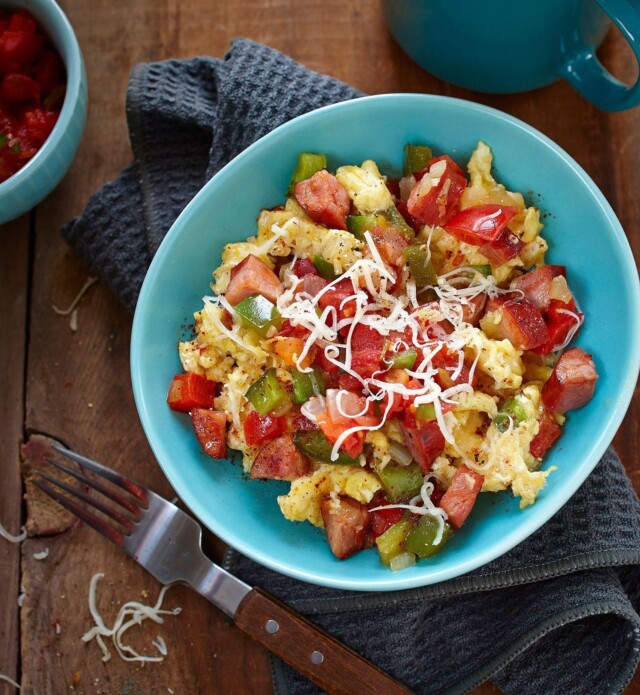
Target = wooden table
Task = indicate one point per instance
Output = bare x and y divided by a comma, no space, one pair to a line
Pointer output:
75,385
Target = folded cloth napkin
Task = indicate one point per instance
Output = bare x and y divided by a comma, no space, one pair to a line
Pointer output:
557,614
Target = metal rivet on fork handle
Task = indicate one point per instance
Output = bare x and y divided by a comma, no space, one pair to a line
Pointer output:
272,626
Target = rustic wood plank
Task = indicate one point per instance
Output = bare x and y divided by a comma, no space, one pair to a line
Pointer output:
78,384
14,278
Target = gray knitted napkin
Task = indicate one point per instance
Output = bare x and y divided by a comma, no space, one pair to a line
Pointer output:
556,615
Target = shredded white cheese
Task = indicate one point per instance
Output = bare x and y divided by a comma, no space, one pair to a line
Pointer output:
10,537
42,555
131,613
6,679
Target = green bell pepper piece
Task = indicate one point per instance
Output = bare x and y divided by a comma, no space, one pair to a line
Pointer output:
316,446
309,164
324,268
416,158
483,269
426,411
307,384
512,408
405,360
420,265
3,140
266,394
420,539
359,224
258,313
401,482
391,542
398,221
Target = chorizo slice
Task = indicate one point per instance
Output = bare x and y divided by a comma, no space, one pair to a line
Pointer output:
346,522
253,276
211,429
459,499
280,459
324,199
572,382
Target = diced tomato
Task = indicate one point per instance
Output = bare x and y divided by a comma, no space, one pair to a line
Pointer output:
290,331
390,243
324,199
382,519
505,248
303,424
559,325
211,429
22,21
449,361
280,459
326,365
437,203
481,224
425,441
18,50
49,71
17,87
290,349
258,430
303,267
547,434
536,284
346,523
333,423
188,391
253,276
520,322
394,187
349,383
459,499
572,382
336,297
366,350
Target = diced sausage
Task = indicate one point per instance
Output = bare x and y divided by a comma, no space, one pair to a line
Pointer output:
505,248
425,442
520,322
253,276
280,459
459,499
571,383
390,243
312,284
211,430
472,312
324,199
345,521
547,434
536,284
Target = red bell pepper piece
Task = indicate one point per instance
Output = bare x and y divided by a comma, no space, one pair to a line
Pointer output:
481,224
189,391
258,430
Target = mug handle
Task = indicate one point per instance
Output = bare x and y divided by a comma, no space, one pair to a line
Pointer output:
585,73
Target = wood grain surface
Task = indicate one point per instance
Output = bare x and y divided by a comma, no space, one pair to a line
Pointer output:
75,385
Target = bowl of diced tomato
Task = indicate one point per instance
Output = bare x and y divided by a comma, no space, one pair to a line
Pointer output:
244,509
43,102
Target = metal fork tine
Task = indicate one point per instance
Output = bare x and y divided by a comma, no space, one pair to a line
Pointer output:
96,485
96,504
100,526
120,480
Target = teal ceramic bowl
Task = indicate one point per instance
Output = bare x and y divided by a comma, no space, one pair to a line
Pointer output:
27,187
583,233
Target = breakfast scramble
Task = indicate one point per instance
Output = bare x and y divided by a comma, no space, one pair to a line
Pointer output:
392,348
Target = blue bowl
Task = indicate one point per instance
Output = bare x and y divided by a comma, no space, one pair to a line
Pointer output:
42,173
582,231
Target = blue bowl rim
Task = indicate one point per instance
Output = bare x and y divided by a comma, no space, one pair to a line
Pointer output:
395,581
74,65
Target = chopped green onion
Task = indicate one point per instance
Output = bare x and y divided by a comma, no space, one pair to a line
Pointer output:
417,257
316,446
512,410
309,164
416,158
258,313
266,395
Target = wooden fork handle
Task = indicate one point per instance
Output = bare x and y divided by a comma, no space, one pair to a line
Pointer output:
311,651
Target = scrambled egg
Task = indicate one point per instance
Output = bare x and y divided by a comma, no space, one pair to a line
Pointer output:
366,187
483,188
497,358
302,503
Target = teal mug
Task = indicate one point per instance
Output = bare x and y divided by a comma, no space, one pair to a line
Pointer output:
504,46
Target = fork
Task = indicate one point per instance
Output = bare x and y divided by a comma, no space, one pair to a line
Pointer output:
167,543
